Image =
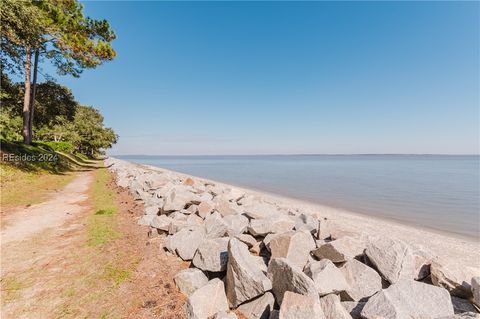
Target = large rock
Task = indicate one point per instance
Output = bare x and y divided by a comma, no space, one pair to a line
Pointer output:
207,301
151,210
161,222
409,299
189,280
275,314
294,246
277,224
247,239
215,226
462,305
326,276
393,258
225,315
341,250
307,223
453,277
258,308
236,224
204,208
212,255
476,290
324,229
245,280
146,220
354,308
186,241
362,281
225,207
260,210
466,315
333,308
193,219
298,306
177,198
285,276
233,194
423,259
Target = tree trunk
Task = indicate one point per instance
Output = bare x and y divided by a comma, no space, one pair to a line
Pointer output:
34,91
26,99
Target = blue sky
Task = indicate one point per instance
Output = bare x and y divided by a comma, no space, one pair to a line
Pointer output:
288,77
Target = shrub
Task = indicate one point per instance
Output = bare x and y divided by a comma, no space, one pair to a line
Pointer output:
65,147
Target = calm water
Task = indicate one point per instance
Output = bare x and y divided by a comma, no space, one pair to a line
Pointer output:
440,192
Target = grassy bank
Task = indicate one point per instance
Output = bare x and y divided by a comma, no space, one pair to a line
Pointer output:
29,173
102,226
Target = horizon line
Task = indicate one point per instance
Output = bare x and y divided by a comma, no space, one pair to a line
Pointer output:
305,154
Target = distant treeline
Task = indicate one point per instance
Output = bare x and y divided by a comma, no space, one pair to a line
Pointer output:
55,32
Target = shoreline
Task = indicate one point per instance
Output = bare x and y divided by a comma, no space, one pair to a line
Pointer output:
445,245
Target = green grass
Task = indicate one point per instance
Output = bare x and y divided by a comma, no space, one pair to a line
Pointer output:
116,274
31,172
21,188
102,225
12,286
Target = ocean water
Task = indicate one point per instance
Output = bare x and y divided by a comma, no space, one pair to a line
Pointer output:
441,192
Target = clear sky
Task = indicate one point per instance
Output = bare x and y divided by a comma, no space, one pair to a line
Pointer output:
289,77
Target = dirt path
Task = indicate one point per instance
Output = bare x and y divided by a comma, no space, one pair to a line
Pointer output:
23,223
49,269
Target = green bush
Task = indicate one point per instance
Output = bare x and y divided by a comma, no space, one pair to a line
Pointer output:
65,147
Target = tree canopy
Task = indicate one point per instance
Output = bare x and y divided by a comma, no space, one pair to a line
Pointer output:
52,30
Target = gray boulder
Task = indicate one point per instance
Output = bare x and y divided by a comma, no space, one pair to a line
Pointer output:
225,315
161,222
453,277
204,209
393,258
476,290
247,239
275,314
194,220
362,281
215,226
466,315
236,224
244,280
423,259
323,231
326,276
212,255
151,210
258,308
341,250
409,299
264,226
207,301
285,276
298,306
294,246
177,198
146,220
225,207
462,305
189,280
307,223
333,308
260,210
186,241
354,308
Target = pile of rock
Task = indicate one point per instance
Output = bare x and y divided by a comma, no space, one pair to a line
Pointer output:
268,261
